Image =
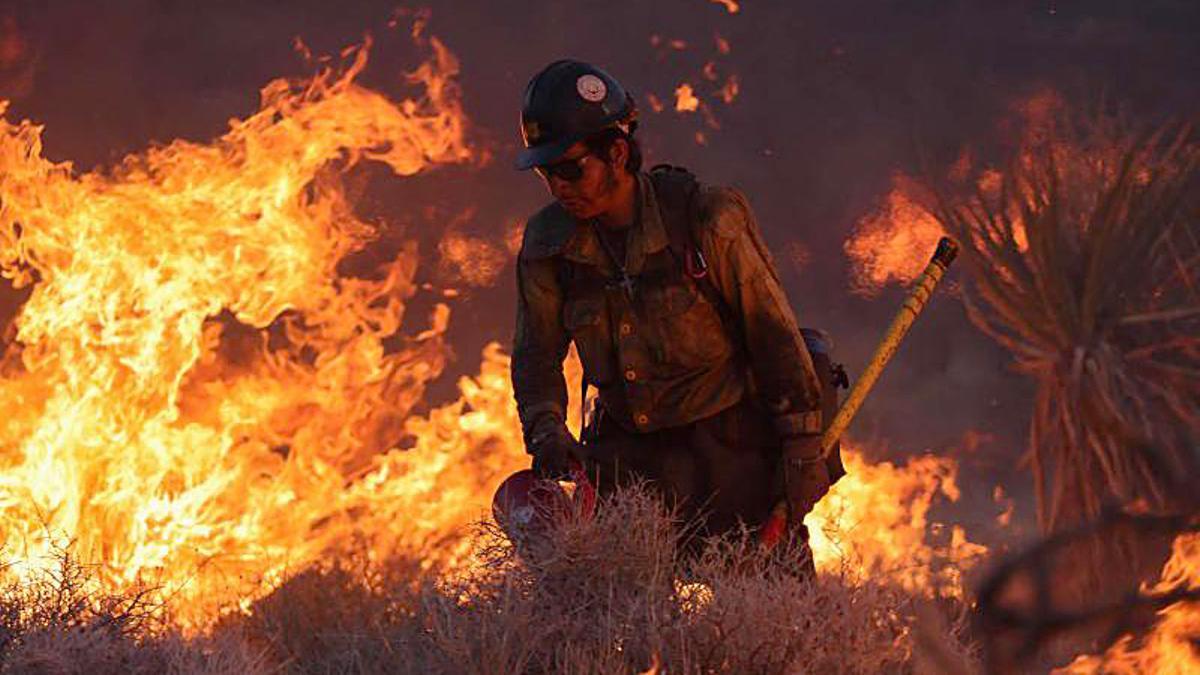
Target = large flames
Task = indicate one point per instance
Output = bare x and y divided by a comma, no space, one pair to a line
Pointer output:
197,396
192,385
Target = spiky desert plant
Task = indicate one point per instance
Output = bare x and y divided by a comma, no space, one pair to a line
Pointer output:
1084,257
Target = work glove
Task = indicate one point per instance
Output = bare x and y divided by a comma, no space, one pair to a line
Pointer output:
805,474
555,453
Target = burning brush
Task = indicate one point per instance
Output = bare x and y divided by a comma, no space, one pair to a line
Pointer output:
1084,258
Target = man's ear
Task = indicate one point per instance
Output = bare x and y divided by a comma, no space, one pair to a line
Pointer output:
618,153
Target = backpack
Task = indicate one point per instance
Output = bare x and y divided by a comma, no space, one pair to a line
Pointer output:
676,189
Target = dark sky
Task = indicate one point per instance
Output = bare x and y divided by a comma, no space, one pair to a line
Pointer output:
834,98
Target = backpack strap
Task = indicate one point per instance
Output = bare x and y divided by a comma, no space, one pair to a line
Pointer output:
677,189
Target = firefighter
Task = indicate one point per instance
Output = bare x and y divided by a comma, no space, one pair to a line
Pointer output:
706,388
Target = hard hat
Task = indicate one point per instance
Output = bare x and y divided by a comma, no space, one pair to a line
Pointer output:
567,102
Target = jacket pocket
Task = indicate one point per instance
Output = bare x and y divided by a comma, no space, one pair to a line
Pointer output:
687,327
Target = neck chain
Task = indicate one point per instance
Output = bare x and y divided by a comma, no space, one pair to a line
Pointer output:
622,280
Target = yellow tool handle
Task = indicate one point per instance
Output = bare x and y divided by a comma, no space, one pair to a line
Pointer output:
913,304
947,250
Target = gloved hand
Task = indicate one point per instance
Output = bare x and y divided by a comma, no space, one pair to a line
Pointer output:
555,453
806,476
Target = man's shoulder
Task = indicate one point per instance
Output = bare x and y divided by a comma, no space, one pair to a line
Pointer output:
723,210
547,232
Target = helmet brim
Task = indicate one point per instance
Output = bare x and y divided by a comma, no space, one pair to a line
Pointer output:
544,153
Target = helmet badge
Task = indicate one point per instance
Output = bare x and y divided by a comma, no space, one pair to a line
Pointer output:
532,131
591,88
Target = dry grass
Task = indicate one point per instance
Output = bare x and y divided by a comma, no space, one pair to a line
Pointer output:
60,622
610,595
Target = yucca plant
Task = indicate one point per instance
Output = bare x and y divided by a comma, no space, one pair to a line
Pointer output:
1084,258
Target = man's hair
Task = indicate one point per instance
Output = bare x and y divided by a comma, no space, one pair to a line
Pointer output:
599,143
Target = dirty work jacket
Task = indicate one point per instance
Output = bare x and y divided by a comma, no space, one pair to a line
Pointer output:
658,351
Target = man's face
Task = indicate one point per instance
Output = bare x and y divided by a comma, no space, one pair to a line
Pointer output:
584,184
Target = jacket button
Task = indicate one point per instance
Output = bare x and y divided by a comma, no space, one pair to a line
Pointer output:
643,420
630,375
626,329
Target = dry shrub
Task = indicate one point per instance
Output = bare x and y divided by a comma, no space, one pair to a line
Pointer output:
60,622
762,618
609,594
83,651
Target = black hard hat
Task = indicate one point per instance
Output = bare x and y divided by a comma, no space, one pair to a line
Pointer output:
564,104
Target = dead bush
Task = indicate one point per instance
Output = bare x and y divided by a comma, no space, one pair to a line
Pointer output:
59,621
607,594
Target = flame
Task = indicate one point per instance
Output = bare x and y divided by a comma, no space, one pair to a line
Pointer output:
685,98
894,243
730,90
1170,647
192,385
875,524
476,261
514,233
1004,519
730,5
198,399
657,40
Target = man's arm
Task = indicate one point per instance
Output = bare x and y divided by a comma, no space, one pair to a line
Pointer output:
539,347
745,276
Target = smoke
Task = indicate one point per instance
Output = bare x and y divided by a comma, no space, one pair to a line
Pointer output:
828,101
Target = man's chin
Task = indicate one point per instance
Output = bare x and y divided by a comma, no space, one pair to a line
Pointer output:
578,211
581,213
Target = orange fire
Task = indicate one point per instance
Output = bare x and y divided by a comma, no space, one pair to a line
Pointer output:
197,399
731,6
729,91
893,244
139,425
475,261
685,98
1170,647
875,524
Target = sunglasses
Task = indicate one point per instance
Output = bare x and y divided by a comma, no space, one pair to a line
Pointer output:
569,170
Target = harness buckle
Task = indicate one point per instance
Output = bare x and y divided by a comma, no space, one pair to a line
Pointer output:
694,263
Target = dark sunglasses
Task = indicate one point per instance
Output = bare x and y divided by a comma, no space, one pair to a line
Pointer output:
569,170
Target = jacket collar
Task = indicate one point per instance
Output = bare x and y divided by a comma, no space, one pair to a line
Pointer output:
649,235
